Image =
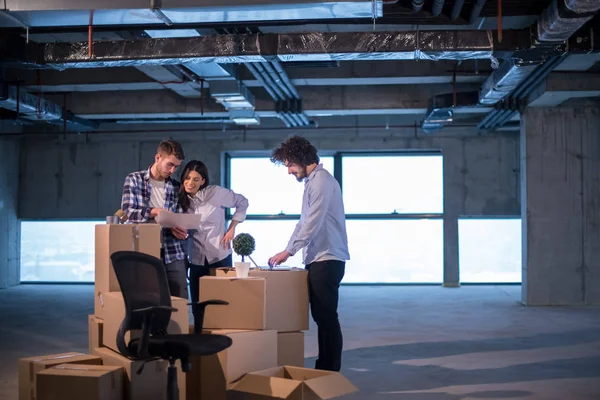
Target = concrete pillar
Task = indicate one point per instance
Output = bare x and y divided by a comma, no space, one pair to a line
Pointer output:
454,194
451,271
9,224
560,207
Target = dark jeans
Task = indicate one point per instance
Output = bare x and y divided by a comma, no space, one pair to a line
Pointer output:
324,279
176,277
195,272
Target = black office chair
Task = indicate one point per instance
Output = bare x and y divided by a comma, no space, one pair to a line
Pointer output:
145,288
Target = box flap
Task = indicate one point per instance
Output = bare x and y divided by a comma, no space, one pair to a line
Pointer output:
269,386
330,386
304,374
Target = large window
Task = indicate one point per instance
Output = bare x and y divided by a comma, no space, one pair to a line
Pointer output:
490,250
268,187
395,251
402,184
271,238
57,251
393,206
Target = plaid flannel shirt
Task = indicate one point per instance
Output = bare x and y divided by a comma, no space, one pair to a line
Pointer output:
136,203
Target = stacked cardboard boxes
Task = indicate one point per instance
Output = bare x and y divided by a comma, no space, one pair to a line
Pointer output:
109,311
266,317
280,303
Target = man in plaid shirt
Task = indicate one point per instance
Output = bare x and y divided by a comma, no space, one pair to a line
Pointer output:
145,194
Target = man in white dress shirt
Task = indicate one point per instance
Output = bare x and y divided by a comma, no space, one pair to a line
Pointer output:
321,233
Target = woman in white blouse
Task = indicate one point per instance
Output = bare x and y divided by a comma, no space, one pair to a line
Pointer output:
209,246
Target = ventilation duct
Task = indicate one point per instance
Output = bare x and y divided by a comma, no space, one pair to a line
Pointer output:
562,18
440,111
244,116
237,99
243,48
557,23
34,108
504,80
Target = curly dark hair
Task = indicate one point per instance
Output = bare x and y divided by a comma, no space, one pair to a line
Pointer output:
296,150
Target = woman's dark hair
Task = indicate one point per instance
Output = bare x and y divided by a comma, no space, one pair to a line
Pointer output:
295,150
199,167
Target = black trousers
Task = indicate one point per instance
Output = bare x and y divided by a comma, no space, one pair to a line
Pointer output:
324,278
195,272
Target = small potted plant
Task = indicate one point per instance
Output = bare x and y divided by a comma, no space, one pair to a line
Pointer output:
243,245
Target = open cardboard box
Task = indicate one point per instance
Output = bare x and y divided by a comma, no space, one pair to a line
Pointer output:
293,383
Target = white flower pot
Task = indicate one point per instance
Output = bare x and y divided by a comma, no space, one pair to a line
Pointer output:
242,269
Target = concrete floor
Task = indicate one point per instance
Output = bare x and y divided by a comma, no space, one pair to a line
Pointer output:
421,343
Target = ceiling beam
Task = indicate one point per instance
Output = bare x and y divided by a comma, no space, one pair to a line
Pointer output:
317,101
560,87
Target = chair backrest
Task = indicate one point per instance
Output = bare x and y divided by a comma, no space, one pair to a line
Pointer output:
143,282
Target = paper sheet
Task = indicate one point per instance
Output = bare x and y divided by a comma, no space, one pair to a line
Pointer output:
170,219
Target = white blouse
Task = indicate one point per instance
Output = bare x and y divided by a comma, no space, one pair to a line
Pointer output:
206,240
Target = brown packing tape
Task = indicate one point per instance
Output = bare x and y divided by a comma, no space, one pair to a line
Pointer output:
58,356
80,367
135,235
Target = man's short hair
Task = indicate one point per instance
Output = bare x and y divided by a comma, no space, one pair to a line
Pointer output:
171,147
296,150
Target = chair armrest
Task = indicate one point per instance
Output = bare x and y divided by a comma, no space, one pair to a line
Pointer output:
152,309
198,310
148,314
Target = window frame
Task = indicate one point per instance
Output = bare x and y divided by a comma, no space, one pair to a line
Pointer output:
338,174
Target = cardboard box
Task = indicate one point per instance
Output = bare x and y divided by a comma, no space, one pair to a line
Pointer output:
250,351
114,312
290,349
76,382
293,383
30,366
95,326
150,384
110,238
275,300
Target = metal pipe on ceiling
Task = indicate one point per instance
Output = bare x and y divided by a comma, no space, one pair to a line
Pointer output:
417,5
476,10
274,95
279,68
437,7
456,9
260,78
277,79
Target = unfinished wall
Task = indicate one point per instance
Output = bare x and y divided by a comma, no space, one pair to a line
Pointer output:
82,177
560,157
9,226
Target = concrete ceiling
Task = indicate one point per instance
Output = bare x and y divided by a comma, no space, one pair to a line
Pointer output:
330,86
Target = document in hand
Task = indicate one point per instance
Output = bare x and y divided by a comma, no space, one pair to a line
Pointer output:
170,219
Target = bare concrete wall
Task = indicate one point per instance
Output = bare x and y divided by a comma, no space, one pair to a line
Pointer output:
561,207
82,177
9,226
